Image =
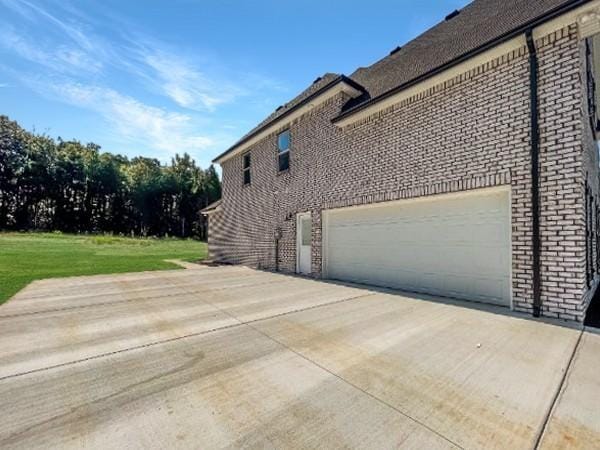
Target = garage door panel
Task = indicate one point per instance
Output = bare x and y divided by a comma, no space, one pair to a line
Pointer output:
486,234
459,247
487,289
452,259
447,264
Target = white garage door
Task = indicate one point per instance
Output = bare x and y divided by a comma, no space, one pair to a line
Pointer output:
449,245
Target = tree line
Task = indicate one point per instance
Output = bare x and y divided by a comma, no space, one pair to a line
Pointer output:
48,184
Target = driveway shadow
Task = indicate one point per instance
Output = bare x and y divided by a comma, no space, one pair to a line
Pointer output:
469,304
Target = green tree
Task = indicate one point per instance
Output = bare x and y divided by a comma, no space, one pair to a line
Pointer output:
13,141
145,179
71,186
185,175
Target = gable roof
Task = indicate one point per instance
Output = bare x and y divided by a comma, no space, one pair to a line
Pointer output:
478,26
320,85
212,207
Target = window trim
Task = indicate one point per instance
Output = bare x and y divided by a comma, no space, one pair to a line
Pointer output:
246,170
287,151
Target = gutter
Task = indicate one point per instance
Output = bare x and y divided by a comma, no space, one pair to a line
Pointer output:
527,27
335,81
535,171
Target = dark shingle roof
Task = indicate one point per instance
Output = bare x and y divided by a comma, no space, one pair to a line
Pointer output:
478,24
317,84
320,85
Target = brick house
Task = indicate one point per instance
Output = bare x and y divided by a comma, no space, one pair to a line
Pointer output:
463,164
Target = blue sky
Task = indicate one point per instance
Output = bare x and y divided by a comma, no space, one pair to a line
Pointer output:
154,77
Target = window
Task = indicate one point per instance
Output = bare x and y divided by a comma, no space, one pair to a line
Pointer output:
283,147
306,224
246,168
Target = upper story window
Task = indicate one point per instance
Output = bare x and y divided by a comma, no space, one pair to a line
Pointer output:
283,147
246,168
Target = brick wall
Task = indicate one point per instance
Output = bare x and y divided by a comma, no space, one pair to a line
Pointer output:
218,230
470,132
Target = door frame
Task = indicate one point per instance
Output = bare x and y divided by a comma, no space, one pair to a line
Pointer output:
299,218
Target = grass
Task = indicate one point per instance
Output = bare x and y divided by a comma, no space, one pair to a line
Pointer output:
25,257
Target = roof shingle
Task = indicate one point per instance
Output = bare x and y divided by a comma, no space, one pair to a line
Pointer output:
317,84
479,23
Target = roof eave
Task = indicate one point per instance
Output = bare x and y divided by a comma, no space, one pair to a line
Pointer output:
353,88
212,208
211,211
563,9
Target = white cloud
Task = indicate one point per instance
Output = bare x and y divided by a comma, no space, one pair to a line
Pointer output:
70,46
11,40
61,58
186,85
159,129
32,12
81,58
77,59
20,8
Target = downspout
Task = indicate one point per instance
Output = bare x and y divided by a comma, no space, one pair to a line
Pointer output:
278,236
535,171
276,254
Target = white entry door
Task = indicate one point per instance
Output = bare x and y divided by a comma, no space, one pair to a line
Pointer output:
303,243
455,245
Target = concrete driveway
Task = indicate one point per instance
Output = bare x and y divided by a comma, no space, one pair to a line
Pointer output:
231,357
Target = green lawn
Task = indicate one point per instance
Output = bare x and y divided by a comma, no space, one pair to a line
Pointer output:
25,257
